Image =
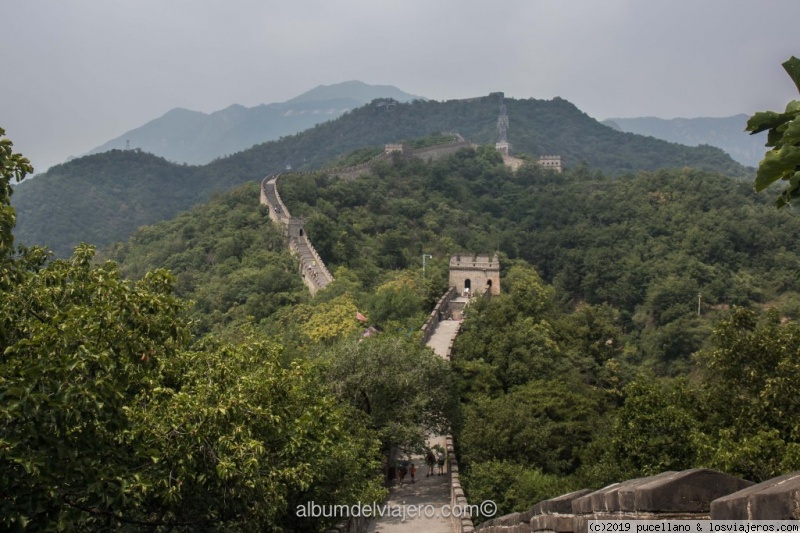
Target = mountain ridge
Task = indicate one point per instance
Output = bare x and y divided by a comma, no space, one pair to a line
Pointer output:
194,137
726,133
105,197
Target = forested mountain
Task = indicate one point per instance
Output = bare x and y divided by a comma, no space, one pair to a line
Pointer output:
645,244
610,285
105,197
193,137
249,392
726,133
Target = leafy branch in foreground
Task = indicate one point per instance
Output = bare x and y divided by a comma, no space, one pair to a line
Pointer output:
783,161
12,165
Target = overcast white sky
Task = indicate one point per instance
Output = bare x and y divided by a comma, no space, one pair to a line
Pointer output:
76,73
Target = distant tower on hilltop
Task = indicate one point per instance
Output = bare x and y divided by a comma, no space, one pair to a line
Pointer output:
502,146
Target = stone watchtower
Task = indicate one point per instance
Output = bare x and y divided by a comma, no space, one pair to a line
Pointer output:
474,274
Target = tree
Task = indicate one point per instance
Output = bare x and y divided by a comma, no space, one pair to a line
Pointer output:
16,166
783,161
111,417
405,390
541,424
750,379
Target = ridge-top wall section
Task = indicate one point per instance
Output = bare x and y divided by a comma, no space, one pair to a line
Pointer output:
312,268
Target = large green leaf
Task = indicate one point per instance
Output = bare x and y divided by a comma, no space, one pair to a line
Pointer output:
765,120
791,135
777,164
792,67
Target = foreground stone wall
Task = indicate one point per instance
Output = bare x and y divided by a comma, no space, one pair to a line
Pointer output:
775,499
458,500
460,524
685,495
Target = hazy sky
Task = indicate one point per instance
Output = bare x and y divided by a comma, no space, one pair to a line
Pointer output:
76,73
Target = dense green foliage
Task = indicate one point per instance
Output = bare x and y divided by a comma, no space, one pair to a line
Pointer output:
739,414
12,166
405,391
112,416
103,198
646,245
227,257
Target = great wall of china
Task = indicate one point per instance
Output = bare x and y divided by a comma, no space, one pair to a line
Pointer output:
696,494
315,275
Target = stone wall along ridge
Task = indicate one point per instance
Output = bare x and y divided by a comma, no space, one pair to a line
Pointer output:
440,312
458,500
312,268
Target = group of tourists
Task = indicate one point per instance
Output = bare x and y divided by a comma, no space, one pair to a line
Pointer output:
406,467
432,460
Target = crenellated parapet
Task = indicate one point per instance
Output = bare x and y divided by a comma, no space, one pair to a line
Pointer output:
696,494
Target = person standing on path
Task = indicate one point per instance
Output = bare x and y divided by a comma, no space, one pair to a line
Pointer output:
413,471
430,460
440,462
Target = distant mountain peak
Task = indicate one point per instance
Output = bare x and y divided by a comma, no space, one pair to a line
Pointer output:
195,137
355,90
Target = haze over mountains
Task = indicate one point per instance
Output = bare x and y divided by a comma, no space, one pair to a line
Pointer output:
186,136
105,197
193,137
726,133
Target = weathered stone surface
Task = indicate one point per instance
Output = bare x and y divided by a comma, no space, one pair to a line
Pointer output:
774,499
688,491
561,504
553,522
624,498
586,504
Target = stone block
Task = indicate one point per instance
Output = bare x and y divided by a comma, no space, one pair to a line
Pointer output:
685,492
561,504
775,499
689,491
563,523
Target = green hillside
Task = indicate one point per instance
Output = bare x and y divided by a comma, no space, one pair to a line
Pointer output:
103,198
247,390
645,244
